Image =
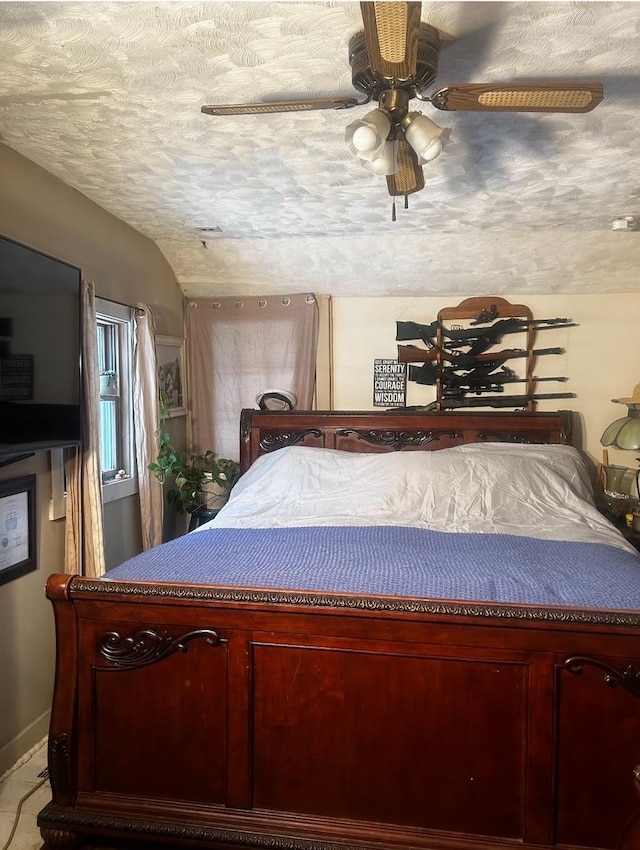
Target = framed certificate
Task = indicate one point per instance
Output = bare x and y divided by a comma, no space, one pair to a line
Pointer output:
17,527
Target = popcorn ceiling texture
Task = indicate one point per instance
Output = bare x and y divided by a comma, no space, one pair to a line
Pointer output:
107,97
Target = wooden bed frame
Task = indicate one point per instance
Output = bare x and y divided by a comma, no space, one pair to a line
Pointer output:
204,716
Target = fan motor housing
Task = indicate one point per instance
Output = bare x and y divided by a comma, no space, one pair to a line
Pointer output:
366,81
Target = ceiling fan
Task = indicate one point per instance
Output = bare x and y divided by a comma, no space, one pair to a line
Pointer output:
395,59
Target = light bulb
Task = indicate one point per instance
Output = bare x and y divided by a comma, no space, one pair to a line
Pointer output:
365,138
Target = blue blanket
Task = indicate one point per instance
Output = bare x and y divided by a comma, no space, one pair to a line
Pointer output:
397,561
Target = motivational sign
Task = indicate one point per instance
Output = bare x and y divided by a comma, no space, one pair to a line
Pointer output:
389,383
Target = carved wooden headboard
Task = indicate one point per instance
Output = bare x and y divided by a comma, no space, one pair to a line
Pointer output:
380,431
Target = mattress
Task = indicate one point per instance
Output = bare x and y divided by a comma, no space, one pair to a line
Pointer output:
513,524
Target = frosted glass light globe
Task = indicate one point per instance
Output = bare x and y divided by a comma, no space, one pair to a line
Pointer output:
434,150
365,138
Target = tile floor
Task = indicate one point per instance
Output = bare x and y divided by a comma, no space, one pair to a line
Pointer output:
14,784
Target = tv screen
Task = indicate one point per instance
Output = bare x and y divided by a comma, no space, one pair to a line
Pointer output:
39,351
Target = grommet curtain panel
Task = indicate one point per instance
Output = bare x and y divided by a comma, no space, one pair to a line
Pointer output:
238,347
146,410
84,530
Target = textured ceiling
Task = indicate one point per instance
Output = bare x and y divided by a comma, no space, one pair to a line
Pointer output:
107,97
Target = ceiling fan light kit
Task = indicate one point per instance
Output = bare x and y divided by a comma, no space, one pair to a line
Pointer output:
423,136
394,59
366,136
387,163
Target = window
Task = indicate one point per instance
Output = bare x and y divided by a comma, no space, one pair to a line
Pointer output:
115,348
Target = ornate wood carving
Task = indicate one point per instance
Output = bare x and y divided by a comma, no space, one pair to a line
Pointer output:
182,832
271,442
629,678
396,440
147,647
60,763
59,839
363,603
245,424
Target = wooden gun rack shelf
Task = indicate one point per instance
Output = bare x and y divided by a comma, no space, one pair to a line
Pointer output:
474,309
465,357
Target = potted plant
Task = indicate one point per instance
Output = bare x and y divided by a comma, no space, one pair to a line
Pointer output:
202,483
108,382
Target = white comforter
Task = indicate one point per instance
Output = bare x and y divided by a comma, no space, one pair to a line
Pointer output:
493,488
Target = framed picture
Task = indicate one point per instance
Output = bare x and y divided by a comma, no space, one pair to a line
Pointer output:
17,527
170,356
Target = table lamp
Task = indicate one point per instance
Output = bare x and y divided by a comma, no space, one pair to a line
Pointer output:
622,433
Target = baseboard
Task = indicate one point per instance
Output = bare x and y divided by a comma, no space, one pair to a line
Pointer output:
24,742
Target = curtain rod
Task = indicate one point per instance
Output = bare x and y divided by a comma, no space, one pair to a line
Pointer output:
139,311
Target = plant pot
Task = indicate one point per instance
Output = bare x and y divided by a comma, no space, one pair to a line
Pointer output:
215,495
108,385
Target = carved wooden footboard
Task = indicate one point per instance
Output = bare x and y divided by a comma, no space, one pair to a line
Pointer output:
213,717
188,714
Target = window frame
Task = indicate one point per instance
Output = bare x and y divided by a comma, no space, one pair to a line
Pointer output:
121,318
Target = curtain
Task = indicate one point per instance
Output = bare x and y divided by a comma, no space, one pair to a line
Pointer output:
84,535
238,347
146,421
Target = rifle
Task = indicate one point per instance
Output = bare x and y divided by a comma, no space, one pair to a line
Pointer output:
413,330
481,377
414,354
498,357
480,340
506,326
462,390
427,333
497,401
471,381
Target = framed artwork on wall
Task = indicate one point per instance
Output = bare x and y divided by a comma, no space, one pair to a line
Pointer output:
171,375
17,527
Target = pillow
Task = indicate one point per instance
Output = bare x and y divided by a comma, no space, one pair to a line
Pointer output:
504,487
487,488
307,484
481,487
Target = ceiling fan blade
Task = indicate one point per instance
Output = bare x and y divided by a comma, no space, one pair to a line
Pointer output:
409,177
519,97
391,32
280,106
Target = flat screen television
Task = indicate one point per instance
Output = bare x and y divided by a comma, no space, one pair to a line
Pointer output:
40,377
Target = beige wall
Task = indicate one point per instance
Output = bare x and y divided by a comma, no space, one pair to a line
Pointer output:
602,359
44,213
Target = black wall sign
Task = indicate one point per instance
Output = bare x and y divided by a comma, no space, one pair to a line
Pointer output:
389,383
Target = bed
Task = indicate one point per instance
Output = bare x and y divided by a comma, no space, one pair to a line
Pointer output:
405,630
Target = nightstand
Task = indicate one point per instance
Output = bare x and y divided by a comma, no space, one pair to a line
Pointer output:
632,536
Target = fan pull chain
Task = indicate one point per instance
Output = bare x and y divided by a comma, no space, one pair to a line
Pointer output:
393,207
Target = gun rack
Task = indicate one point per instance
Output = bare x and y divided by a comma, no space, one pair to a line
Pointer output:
483,312
465,354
